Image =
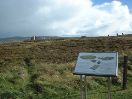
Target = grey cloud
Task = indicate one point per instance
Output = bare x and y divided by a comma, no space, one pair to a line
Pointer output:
20,17
17,17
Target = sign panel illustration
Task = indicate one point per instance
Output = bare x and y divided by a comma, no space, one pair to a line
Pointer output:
100,64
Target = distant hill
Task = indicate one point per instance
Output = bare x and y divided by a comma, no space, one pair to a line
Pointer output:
13,39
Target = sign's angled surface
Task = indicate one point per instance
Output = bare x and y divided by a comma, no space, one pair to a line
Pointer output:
98,64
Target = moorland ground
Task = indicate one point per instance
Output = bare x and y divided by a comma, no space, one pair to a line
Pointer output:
44,69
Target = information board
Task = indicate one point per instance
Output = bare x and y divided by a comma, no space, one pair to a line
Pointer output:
97,64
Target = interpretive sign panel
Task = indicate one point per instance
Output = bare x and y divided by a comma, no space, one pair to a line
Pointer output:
97,64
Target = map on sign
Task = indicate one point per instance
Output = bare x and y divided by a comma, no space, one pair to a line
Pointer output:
100,64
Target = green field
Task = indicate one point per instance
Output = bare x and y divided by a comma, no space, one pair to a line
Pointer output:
43,69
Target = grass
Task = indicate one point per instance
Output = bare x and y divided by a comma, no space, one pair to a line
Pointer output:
43,70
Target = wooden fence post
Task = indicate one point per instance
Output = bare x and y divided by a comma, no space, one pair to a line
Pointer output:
125,65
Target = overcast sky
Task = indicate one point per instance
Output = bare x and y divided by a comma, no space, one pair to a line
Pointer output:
65,17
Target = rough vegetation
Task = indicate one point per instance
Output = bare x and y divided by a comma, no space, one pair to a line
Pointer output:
43,69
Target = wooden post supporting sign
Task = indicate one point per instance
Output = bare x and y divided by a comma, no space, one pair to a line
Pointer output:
125,65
